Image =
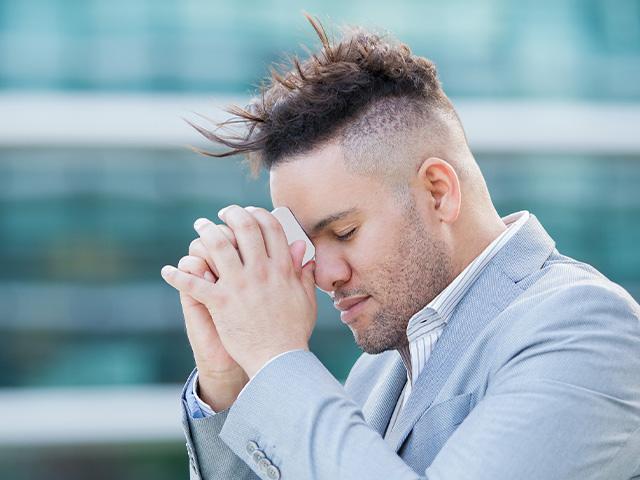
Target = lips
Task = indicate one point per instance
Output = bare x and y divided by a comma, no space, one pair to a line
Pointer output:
346,303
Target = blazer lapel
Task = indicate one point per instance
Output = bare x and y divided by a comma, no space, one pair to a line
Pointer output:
493,290
382,400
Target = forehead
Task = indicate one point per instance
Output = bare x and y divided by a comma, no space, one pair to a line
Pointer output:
318,184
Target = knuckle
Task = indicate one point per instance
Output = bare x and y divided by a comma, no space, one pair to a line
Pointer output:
219,243
241,284
272,223
261,273
189,282
246,224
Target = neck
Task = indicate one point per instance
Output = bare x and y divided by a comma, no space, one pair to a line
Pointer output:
474,235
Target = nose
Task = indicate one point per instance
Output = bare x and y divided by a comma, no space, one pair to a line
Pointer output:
332,271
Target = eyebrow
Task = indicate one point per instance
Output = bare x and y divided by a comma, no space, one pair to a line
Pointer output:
325,222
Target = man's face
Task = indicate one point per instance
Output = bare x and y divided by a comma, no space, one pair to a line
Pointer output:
393,261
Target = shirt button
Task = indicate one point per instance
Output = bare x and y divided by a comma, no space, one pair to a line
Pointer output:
258,455
251,447
264,464
273,473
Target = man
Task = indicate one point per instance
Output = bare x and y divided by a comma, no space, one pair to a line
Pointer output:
487,353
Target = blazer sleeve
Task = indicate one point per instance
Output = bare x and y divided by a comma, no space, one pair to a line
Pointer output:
209,457
303,420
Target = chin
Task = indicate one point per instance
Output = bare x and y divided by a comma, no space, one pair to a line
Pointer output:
374,349
369,345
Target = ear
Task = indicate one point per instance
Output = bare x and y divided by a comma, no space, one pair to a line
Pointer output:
440,182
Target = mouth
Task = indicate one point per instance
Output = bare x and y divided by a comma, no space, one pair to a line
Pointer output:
350,308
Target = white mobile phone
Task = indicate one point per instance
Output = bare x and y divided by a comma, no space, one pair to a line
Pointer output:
294,231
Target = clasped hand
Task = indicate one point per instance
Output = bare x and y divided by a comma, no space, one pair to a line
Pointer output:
261,300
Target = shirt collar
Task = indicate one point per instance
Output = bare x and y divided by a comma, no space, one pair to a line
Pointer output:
441,307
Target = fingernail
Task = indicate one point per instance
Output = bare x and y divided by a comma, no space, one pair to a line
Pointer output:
166,270
199,223
221,212
208,276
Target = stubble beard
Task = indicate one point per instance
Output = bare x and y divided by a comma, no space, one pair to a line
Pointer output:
418,272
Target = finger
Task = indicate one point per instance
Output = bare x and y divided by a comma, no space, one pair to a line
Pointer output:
196,266
199,267
229,234
187,283
197,249
225,257
247,232
274,238
308,280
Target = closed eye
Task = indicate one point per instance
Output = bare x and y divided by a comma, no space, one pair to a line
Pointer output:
346,236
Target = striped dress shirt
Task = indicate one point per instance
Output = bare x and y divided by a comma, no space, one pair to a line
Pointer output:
426,326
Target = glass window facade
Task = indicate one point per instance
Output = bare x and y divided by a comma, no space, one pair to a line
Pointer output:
490,48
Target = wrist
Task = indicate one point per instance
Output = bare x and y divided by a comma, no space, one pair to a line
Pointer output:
220,391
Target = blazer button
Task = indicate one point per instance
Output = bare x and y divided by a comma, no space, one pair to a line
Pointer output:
258,455
251,447
273,473
264,464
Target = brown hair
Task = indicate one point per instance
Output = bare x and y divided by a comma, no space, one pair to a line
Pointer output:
310,103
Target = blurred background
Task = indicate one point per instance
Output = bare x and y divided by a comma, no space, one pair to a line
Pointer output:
98,189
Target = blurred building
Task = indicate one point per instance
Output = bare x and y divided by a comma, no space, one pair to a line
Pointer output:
98,189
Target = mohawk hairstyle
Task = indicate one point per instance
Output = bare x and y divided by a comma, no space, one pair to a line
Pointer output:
317,97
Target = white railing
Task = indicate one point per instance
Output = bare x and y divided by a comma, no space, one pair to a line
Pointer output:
154,121
74,415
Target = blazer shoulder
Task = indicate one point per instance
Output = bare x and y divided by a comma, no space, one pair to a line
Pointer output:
567,285
571,325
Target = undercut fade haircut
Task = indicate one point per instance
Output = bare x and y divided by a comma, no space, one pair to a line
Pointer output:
363,87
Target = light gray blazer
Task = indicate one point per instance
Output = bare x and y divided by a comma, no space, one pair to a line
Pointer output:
536,376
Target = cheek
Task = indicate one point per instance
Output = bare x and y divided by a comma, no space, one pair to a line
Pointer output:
374,256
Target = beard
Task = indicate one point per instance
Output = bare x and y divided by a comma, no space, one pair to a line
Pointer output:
407,281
